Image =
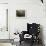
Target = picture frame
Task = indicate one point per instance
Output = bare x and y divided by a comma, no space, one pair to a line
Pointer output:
20,13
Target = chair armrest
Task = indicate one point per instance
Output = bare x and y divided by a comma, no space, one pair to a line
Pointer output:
24,32
22,35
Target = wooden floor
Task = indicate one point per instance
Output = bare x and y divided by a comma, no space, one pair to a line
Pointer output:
6,40
27,44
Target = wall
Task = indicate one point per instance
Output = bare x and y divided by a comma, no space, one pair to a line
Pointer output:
3,21
3,7
34,11
3,1
3,34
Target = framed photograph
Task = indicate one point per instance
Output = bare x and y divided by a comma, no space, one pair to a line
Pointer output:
20,13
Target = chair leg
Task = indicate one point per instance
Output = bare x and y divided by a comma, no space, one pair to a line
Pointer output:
20,42
32,42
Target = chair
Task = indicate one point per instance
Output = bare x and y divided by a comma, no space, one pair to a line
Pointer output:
33,30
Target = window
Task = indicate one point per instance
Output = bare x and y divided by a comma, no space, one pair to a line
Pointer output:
3,17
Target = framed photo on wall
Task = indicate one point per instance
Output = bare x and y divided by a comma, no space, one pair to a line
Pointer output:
20,13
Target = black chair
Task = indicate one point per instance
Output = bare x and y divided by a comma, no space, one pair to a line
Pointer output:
32,29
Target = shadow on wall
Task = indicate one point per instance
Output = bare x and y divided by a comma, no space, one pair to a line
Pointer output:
41,34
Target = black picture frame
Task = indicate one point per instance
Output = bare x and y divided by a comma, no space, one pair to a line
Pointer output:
20,13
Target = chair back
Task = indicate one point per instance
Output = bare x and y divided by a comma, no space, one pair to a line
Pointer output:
33,28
